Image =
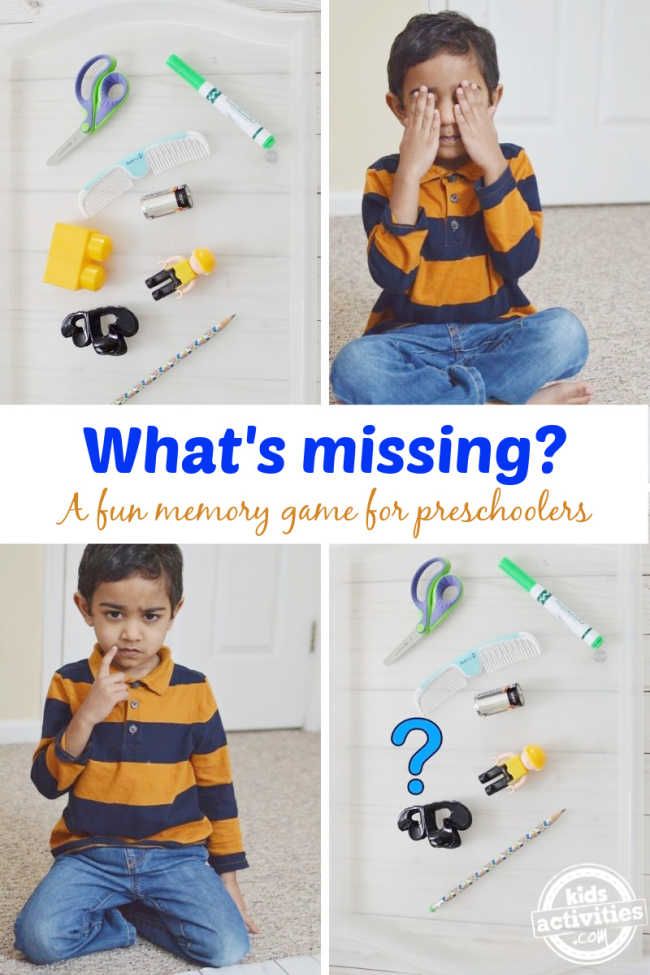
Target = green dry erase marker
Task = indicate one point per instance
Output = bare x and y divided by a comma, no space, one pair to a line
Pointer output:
216,97
552,605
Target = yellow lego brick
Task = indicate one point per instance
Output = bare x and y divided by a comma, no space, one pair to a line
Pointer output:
76,257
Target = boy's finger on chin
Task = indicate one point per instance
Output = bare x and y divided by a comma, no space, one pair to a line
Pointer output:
107,658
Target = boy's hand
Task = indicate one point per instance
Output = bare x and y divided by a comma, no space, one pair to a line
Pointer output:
105,693
417,152
419,146
231,884
475,120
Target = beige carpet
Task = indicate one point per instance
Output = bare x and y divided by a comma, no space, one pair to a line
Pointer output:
594,261
277,775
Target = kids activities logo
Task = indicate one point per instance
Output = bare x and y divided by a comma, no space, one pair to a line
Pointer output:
588,914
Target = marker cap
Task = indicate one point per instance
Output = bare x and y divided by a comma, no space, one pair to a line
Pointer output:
186,73
517,574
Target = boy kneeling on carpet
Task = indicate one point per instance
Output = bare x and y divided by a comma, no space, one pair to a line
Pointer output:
149,842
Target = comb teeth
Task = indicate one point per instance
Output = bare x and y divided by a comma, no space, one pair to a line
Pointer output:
520,646
441,688
104,191
166,155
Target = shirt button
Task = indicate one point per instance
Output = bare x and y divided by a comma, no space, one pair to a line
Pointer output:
454,224
133,704
452,177
136,683
132,729
454,197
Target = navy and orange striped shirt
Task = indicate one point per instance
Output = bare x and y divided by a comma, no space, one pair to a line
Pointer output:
460,261
155,772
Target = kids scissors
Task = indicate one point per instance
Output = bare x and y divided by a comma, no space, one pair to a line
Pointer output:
435,592
100,90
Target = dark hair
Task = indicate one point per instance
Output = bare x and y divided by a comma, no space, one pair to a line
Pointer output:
110,563
427,34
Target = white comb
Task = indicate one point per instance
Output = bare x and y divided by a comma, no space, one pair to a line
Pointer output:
455,676
173,150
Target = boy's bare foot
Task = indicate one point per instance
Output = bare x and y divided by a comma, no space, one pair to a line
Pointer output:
563,394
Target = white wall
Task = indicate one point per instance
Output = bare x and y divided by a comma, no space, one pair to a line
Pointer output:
362,128
21,636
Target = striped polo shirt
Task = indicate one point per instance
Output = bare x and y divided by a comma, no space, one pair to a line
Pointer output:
460,261
155,772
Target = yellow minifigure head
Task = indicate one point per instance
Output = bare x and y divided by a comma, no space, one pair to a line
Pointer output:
533,757
202,261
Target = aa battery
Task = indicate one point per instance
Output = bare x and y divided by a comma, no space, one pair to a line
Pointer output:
501,699
166,201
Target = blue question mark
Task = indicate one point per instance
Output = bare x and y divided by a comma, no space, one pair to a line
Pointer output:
434,740
559,439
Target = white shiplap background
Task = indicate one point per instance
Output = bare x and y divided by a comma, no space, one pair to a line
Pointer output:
261,219
592,719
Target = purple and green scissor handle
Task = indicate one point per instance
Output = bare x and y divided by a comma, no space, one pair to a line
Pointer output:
435,592
100,90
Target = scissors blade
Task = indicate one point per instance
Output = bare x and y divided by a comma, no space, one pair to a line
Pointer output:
406,644
68,146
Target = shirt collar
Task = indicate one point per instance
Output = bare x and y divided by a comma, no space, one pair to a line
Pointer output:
157,680
469,170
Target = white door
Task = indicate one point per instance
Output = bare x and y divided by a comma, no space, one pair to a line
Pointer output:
576,75
248,623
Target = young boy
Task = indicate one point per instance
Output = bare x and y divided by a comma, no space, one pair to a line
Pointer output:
452,222
149,841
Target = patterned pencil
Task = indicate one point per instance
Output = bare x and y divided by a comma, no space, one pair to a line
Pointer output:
166,366
522,841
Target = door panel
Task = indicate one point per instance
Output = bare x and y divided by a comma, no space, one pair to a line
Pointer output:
576,76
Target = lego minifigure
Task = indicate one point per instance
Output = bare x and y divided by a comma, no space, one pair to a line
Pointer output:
179,273
511,770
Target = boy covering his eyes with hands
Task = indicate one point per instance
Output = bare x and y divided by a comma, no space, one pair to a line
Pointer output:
453,221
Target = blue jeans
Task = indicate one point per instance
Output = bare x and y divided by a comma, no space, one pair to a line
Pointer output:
503,361
99,899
